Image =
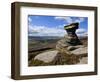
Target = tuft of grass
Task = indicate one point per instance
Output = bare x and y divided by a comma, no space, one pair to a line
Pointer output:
67,59
37,63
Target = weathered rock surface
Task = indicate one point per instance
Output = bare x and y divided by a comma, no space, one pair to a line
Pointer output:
62,45
80,51
54,58
47,57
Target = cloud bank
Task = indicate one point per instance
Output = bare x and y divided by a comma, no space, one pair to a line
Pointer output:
45,31
70,19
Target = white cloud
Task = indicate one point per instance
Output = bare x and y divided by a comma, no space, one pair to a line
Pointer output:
67,19
70,19
60,18
81,32
79,20
45,31
29,19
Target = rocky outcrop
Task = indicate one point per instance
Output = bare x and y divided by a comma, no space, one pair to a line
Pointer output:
54,58
70,44
64,47
69,50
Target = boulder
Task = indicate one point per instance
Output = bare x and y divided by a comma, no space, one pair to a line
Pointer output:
54,58
82,51
47,57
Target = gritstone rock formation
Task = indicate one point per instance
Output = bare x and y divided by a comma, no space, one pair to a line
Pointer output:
69,50
70,44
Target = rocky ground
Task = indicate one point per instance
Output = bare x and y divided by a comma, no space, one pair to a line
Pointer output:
62,55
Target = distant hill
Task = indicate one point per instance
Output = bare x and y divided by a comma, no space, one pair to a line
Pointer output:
43,37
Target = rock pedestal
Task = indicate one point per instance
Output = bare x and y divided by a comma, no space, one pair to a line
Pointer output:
72,37
70,44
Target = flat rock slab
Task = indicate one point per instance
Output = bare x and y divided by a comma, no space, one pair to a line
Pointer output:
47,57
70,48
80,51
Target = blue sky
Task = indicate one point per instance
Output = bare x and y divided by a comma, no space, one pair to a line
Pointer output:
54,25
